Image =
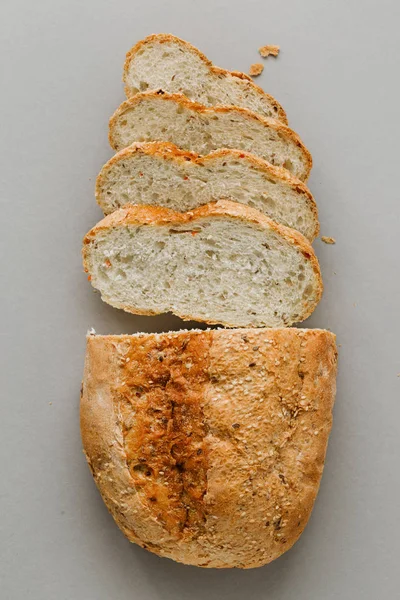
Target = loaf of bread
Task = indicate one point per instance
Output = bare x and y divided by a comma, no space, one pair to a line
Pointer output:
159,173
221,263
166,62
157,116
208,446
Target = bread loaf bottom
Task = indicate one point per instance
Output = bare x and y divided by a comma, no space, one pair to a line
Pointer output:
221,263
208,446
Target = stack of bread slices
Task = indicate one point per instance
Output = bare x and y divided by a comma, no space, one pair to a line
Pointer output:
207,446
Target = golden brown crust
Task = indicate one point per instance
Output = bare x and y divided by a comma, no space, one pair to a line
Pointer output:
168,151
163,38
257,404
103,440
165,449
284,130
157,215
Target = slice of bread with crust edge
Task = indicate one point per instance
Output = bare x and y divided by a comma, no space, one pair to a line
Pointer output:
222,263
159,173
158,116
163,61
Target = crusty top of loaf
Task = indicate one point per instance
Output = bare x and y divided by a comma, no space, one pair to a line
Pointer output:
208,447
162,38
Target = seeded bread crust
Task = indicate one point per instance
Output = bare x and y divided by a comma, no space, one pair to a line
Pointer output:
195,107
156,215
168,151
208,446
163,38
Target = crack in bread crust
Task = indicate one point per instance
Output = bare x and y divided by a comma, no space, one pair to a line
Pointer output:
162,424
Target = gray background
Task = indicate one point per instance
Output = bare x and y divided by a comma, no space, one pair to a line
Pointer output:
338,78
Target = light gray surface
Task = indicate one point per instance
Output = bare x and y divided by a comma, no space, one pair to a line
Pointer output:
337,77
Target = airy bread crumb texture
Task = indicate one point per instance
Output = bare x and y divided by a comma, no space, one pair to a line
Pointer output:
153,116
216,268
160,174
166,62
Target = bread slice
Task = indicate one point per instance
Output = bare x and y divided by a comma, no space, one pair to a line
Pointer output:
163,61
155,116
221,263
159,173
208,446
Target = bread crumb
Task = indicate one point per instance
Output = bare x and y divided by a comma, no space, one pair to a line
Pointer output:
269,51
328,240
256,69
50,403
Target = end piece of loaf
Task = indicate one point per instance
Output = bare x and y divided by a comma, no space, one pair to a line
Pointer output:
159,173
221,263
208,446
157,116
163,61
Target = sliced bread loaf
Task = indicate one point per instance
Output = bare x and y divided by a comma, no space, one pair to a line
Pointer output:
156,116
221,263
163,61
208,446
159,173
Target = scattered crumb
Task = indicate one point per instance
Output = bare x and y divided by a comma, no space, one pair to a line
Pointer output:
328,240
398,374
339,345
334,272
269,51
256,69
354,304
50,403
